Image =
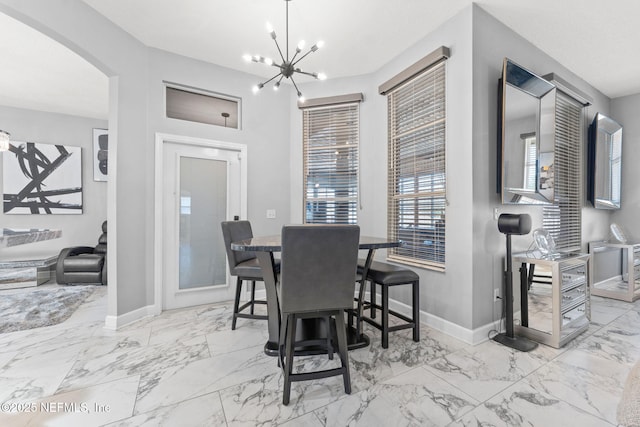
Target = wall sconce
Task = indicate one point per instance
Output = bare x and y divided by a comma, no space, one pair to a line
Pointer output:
4,140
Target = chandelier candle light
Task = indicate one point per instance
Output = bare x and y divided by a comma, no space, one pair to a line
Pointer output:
288,67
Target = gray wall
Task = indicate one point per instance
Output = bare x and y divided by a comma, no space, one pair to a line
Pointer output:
77,230
625,111
462,296
492,41
264,128
123,59
446,295
135,73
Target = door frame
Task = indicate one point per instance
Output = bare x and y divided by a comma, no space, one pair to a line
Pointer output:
158,251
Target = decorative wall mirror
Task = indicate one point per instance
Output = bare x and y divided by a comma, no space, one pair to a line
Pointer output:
527,136
605,161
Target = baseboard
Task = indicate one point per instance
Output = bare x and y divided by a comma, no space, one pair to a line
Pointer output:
469,336
115,322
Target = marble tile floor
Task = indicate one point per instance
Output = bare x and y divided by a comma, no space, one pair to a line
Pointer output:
187,368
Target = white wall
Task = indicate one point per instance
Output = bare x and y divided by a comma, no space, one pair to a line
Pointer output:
77,230
625,111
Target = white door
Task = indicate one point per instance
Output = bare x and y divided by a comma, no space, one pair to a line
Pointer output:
202,186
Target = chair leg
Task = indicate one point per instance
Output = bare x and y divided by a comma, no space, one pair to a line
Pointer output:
385,316
350,318
343,350
253,296
416,311
372,293
289,350
236,303
281,342
327,319
360,308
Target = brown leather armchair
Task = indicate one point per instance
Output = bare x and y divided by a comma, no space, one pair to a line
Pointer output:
84,264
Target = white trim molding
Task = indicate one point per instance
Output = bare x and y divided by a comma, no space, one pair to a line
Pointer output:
161,138
115,322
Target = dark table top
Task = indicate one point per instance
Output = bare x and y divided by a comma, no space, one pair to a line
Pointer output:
274,243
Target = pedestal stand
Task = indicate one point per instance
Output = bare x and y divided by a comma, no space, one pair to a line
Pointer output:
506,225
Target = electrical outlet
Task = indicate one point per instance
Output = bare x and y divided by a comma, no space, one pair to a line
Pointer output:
496,214
496,294
271,213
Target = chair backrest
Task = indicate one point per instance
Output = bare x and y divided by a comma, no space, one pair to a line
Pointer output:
101,247
234,231
318,267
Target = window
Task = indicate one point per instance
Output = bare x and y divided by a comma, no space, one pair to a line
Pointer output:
417,175
563,219
615,172
331,164
198,105
530,160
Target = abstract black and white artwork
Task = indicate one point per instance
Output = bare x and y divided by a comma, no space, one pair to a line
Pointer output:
100,154
42,179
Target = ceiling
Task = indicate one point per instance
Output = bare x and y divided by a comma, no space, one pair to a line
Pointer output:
596,40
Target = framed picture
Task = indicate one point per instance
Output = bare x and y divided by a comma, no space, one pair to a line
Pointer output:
100,154
42,179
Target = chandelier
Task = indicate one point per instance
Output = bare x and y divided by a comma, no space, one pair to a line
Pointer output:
289,66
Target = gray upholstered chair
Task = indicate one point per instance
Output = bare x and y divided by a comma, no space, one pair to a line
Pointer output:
387,275
245,266
84,264
317,280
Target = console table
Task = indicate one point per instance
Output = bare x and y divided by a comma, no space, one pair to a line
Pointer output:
22,273
555,301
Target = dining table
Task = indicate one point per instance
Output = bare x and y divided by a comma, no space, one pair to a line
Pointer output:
266,246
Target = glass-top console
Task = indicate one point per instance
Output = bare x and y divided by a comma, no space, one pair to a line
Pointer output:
20,236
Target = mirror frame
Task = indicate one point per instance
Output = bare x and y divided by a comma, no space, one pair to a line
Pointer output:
601,131
519,78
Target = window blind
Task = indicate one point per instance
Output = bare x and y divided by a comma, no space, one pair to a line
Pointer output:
563,219
615,174
530,160
417,169
331,163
